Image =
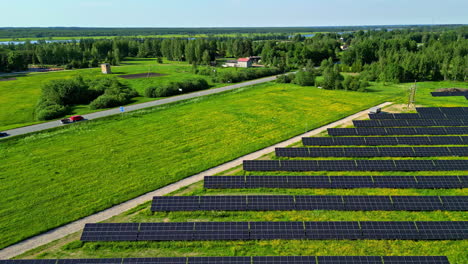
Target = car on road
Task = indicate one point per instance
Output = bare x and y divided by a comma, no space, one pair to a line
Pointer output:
3,134
72,119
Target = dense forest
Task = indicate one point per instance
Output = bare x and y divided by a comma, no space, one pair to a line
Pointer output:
383,55
13,32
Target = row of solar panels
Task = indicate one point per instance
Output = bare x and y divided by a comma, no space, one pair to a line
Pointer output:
443,110
437,94
408,230
355,165
415,116
247,260
372,152
308,202
377,141
410,122
381,131
335,182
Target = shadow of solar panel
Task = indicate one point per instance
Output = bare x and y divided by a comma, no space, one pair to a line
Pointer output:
443,230
175,203
456,130
165,231
284,260
349,182
445,140
221,231
394,182
396,152
459,151
389,230
376,141
375,165
342,132
308,182
154,261
223,203
415,260
357,141
337,165
90,261
417,203
451,164
367,203
431,151
276,230
261,165
414,165
299,165
370,131
332,230
350,260
292,152
219,260
28,261
318,141
270,202
267,182
110,232
434,182
360,152
455,203
319,202
224,182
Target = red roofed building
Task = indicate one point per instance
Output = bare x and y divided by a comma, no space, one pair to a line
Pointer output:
244,63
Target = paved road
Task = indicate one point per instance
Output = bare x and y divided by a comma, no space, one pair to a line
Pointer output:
129,108
78,225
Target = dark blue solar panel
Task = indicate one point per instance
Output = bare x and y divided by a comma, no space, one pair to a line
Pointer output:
332,230
110,232
219,260
368,203
434,182
224,182
277,230
223,203
284,260
417,203
270,202
166,231
308,182
415,260
319,202
154,261
90,261
443,230
221,231
349,182
455,203
389,230
350,260
266,182
394,182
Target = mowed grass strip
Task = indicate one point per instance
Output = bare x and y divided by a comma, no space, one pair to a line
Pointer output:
51,178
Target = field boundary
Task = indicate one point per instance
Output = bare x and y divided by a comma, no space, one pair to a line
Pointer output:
78,225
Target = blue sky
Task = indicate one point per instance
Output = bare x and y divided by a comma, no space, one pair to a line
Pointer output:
229,13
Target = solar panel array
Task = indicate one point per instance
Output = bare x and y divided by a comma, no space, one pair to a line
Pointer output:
355,165
303,202
415,116
377,141
381,131
437,94
335,182
451,111
246,260
433,230
372,152
410,122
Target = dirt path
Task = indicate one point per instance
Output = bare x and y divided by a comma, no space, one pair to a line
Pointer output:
76,226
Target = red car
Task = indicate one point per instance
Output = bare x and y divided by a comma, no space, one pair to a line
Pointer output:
72,119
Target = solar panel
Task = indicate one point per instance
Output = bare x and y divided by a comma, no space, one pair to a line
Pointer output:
223,203
284,260
166,231
261,165
270,202
277,230
376,141
175,203
299,165
221,231
458,151
394,182
332,230
110,232
368,203
224,182
417,203
90,261
292,152
218,260
154,261
349,260
28,261
349,182
308,182
342,132
266,182
433,182
389,230
455,203
349,141
440,230
415,260
318,141
447,140
451,164
319,202
456,130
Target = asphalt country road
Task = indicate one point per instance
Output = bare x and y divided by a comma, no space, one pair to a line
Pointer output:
129,108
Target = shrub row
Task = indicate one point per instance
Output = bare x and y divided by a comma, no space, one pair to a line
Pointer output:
174,88
244,75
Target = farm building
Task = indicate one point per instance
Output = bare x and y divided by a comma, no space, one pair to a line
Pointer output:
241,63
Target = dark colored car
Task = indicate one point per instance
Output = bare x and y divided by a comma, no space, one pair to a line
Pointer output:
3,134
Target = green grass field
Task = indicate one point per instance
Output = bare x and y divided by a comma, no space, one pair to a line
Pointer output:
74,171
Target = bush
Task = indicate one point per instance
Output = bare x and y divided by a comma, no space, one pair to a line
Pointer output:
174,88
285,78
304,78
244,75
355,83
50,112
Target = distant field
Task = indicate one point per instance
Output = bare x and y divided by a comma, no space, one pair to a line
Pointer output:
74,171
19,97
